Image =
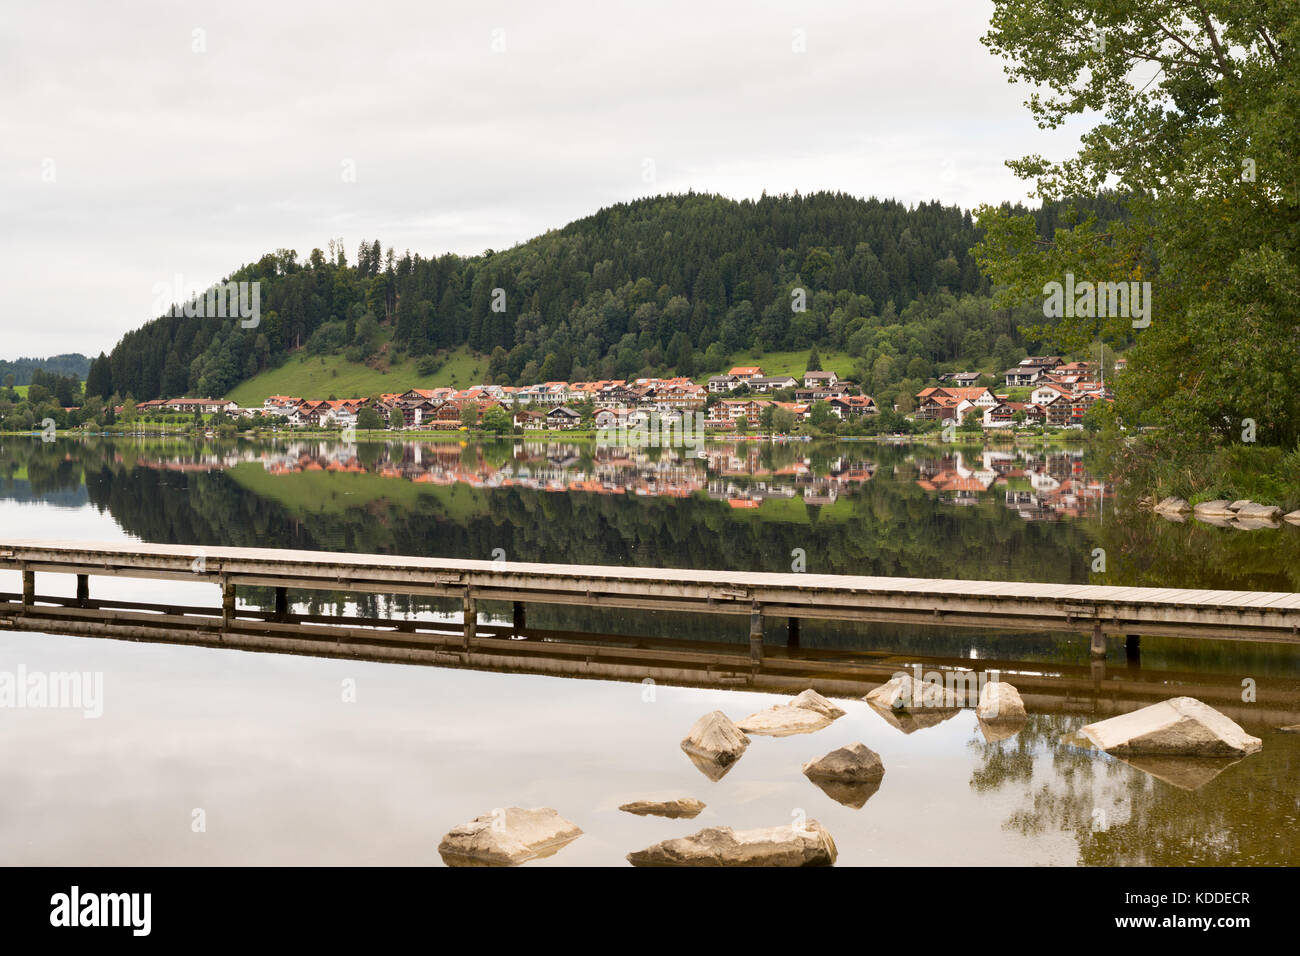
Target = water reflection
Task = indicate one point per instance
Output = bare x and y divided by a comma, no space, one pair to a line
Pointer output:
1144,811
295,777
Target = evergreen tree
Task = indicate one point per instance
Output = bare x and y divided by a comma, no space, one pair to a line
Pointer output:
99,380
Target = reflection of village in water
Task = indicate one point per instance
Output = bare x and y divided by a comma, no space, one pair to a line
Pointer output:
1038,485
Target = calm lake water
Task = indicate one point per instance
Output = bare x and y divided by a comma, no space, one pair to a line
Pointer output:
285,771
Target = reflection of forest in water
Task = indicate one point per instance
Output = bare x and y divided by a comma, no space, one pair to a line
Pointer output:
850,508
1120,815
862,509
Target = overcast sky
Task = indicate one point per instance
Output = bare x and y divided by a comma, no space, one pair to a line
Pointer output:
142,141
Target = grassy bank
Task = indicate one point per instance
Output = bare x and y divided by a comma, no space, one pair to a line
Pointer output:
1268,475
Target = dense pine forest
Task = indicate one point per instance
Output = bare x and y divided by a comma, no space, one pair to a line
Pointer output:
671,284
21,369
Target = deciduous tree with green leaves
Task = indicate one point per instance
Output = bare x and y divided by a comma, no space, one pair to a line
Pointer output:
1197,127
497,420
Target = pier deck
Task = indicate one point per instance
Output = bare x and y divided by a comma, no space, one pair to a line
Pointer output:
996,605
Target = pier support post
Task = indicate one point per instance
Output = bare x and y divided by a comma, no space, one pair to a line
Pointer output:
83,590
1098,648
792,632
227,602
1133,650
519,619
469,609
281,603
29,588
756,634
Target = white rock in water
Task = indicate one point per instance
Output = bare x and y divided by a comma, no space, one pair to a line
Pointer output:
1292,516
808,845
807,712
1173,505
811,700
507,837
856,763
1240,503
1181,725
1252,510
903,692
716,738
1217,508
680,807
783,722
1000,701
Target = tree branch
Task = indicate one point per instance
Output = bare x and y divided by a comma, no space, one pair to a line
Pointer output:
1212,34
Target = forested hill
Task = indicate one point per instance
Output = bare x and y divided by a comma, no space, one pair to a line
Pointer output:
21,369
667,284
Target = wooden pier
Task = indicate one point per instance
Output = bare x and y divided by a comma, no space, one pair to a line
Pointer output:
993,605
515,648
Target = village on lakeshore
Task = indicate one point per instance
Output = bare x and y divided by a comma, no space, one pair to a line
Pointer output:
1041,394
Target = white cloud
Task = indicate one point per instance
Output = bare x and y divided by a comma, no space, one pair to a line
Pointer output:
169,161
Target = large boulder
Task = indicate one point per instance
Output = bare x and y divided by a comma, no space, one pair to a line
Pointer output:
1292,516
714,743
792,845
811,700
856,763
716,736
1173,505
507,837
807,712
849,775
677,808
1259,512
1218,508
904,692
1000,701
1181,726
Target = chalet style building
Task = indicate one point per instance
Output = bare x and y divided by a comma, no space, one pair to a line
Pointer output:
819,379
1030,370
945,403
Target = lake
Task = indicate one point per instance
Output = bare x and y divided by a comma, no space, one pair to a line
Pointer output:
299,759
